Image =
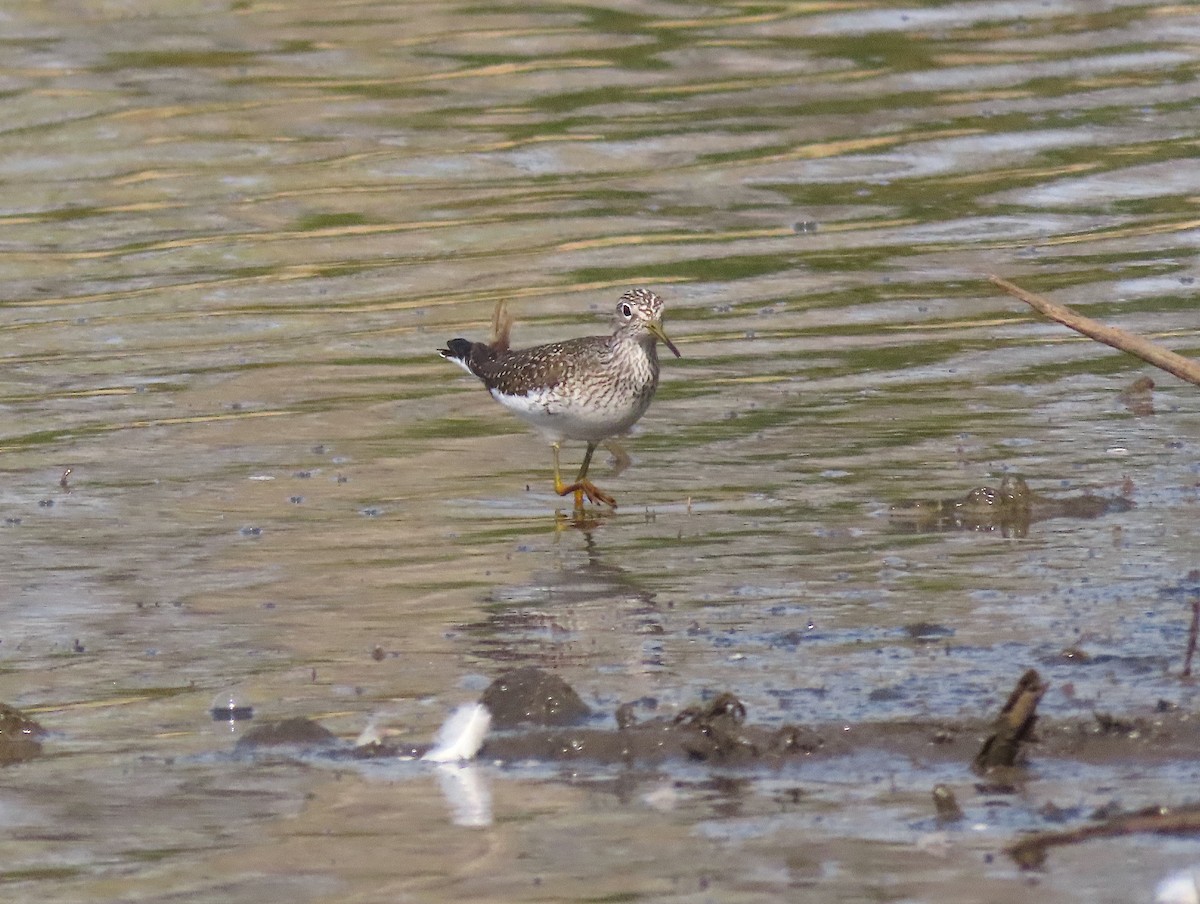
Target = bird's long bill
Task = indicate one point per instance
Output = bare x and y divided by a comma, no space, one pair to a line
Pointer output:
661,335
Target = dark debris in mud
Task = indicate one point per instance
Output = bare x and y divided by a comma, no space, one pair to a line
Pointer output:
1014,726
1009,509
945,805
19,736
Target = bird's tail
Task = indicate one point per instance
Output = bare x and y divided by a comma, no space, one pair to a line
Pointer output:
502,322
460,351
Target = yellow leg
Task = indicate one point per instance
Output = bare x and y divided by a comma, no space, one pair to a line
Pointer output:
582,486
559,487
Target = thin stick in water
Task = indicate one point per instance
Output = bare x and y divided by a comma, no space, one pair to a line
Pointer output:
1193,635
1150,352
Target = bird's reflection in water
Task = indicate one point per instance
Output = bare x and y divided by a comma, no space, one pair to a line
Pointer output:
583,611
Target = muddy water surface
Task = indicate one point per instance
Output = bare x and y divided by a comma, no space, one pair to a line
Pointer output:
233,234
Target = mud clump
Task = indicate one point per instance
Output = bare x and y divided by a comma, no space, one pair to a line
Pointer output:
18,736
532,696
1009,509
713,732
288,732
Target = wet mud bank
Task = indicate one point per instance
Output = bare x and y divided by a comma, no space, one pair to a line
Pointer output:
715,734
541,720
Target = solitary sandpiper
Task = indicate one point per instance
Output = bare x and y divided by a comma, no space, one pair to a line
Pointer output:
587,389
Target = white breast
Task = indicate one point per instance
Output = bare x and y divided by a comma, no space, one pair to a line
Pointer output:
561,417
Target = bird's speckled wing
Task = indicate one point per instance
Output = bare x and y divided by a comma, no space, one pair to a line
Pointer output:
514,372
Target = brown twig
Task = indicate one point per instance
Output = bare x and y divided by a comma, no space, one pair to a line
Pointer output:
1030,852
1150,352
1193,635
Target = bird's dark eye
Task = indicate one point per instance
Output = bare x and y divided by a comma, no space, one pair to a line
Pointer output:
626,310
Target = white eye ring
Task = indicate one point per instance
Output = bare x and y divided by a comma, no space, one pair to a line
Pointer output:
626,310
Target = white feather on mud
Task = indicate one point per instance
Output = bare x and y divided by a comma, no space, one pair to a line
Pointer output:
461,735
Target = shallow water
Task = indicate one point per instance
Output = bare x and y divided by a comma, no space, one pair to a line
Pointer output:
232,237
